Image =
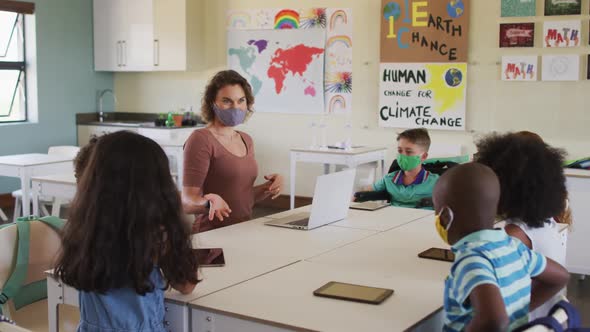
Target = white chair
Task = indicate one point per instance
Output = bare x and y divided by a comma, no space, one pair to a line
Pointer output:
63,150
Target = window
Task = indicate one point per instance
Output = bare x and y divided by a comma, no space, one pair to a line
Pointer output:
13,95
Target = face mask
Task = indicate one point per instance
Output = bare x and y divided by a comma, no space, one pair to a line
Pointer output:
443,232
230,117
408,163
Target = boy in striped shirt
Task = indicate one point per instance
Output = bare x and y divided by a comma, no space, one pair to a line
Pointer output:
489,285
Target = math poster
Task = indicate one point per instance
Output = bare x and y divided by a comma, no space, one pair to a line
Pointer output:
423,72
520,68
562,33
429,95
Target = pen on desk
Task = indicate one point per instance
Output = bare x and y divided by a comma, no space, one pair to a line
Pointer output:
335,147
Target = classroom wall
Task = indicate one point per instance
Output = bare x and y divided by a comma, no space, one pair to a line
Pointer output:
556,110
66,81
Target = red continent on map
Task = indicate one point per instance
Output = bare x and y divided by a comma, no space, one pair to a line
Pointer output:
294,60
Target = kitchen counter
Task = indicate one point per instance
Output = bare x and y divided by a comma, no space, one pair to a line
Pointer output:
135,124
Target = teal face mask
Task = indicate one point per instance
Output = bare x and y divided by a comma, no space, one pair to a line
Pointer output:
408,163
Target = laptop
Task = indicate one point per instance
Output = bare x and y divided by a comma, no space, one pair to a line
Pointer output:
369,205
330,203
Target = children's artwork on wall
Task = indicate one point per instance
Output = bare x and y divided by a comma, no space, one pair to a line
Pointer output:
517,34
519,68
424,31
430,95
514,8
338,85
423,72
563,7
284,67
313,18
560,68
561,33
336,26
287,19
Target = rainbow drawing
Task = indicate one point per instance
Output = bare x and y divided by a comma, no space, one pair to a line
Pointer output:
339,82
287,19
337,100
345,40
338,15
237,20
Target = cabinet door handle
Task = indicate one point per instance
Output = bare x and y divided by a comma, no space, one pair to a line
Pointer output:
118,53
124,57
156,52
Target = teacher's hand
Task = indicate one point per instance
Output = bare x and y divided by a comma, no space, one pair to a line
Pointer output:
275,185
218,207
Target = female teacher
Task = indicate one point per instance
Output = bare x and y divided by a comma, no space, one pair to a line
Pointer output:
219,164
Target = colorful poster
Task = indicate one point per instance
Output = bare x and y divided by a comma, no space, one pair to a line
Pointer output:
563,7
519,68
430,95
517,35
284,66
514,8
561,33
424,31
338,84
561,68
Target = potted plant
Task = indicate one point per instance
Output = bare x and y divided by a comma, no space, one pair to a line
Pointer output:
177,119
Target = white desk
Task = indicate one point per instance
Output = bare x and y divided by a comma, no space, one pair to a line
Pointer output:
379,220
283,300
25,166
251,249
578,186
350,159
61,186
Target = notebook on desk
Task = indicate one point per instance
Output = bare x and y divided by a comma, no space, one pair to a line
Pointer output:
330,202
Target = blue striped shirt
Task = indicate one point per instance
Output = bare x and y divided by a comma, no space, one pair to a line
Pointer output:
490,257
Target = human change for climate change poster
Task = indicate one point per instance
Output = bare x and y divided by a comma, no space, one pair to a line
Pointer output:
423,72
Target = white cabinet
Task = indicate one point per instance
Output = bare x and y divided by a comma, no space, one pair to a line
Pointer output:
146,35
578,246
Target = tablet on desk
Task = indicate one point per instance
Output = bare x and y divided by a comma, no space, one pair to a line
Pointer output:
210,257
438,254
351,292
369,205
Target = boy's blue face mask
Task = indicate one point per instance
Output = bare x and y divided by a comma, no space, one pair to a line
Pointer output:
230,117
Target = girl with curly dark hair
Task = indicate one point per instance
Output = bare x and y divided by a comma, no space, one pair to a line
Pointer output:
533,190
125,240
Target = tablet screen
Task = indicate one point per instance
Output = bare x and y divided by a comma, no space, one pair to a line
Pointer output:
210,256
353,292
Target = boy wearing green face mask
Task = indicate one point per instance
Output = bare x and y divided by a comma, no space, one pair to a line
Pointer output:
408,186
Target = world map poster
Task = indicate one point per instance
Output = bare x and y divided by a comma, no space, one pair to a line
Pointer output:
284,67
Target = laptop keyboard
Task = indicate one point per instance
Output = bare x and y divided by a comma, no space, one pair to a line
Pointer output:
300,222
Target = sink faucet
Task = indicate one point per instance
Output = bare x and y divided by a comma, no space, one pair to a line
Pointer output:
101,115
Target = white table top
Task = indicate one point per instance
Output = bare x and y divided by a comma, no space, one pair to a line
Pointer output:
64,178
388,259
33,159
379,220
354,151
252,249
577,173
